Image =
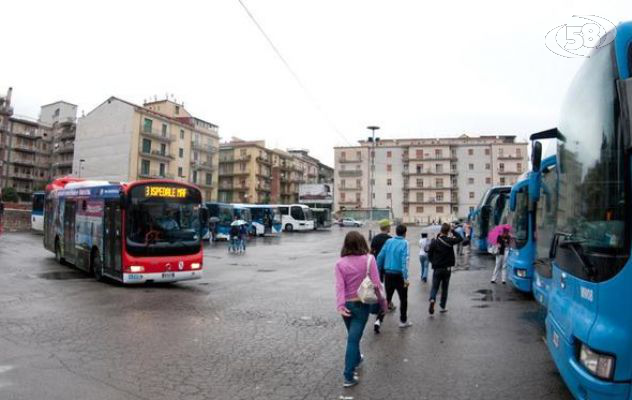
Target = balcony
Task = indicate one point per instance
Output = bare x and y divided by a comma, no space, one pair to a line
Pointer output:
66,121
64,148
157,154
347,174
25,149
24,161
21,176
356,203
425,172
152,175
63,163
156,134
506,172
6,110
430,202
431,188
234,173
264,160
263,188
350,160
202,165
349,188
205,147
510,157
205,185
236,159
67,135
407,158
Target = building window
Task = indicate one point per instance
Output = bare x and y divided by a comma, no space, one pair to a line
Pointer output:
439,168
470,181
162,170
147,125
518,152
420,197
439,196
419,154
500,152
342,183
453,167
470,152
471,195
180,172
389,167
501,166
358,155
389,182
388,196
163,149
144,167
438,153
519,167
502,180
439,182
389,154
342,155
177,110
419,210
420,182
486,152
181,152
182,134
195,178
470,166
455,210
209,178
146,146
405,209
357,197
164,130
419,168
488,180
342,196
488,166
439,209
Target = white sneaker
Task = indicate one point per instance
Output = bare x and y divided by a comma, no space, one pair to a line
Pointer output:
405,324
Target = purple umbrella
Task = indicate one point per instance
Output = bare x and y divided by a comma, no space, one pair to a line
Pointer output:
492,238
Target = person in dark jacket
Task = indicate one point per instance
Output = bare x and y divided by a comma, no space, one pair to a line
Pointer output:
441,254
376,246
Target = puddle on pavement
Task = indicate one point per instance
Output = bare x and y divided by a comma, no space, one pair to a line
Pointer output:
266,270
63,275
481,306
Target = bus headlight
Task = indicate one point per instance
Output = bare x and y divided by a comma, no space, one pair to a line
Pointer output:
195,265
600,365
521,273
136,269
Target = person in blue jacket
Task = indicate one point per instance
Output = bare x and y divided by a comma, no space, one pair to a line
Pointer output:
393,260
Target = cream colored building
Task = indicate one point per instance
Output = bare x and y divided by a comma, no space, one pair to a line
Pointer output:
422,180
122,141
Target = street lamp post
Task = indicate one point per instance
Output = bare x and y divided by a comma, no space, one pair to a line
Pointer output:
373,140
81,166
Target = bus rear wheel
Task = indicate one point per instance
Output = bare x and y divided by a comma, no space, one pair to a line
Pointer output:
289,228
96,265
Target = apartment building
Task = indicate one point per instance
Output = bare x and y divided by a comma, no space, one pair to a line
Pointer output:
122,141
61,117
249,172
422,180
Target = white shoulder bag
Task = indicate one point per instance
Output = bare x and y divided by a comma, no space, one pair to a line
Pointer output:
366,291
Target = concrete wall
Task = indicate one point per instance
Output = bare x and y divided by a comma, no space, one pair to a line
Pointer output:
103,140
480,175
16,220
67,112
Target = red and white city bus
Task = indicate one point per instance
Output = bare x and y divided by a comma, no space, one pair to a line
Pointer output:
142,231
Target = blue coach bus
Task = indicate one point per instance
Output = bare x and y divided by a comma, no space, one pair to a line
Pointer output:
523,202
220,216
266,219
488,214
589,318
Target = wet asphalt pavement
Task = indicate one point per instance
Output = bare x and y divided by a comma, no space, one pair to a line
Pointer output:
258,326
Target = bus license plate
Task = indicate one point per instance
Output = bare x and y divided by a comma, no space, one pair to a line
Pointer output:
168,275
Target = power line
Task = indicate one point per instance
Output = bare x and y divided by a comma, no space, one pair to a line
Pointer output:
294,74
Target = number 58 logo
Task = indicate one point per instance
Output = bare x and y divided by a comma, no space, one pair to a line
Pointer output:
579,40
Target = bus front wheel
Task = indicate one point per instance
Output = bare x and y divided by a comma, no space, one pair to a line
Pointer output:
96,265
289,228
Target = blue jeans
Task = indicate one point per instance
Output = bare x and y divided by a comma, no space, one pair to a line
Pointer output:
424,261
355,328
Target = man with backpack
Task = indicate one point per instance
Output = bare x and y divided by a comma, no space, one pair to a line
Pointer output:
376,246
441,254
393,258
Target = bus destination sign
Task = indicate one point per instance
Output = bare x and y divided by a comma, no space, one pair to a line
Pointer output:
165,191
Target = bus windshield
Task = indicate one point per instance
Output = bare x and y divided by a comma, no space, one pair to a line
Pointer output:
520,223
163,219
545,221
38,203
591,203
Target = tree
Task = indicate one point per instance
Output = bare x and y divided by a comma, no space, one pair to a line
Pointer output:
9,194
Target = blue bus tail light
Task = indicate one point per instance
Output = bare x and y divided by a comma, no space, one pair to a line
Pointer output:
599,364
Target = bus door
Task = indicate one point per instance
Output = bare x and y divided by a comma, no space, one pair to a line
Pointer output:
112,233
267,222
70,213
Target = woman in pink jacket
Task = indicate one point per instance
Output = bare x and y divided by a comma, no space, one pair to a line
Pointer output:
351,269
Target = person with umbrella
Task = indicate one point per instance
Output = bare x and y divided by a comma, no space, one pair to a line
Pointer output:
499,237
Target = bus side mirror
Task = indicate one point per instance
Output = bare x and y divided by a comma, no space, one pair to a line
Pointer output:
536,156
123,201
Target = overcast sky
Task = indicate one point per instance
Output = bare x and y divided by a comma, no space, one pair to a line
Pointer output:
416,69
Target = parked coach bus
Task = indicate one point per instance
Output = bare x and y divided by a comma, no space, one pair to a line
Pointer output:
37,212
524,203
266,219
589,319
143,231
488,214
296,217
220,217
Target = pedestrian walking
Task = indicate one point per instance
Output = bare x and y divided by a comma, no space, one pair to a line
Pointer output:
243,236
441,254
501,258
393,258
424,244
461,232
376,246
351,269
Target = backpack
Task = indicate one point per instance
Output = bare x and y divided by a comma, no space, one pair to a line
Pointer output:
427,246
234,231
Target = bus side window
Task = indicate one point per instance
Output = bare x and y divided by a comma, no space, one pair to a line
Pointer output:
297,213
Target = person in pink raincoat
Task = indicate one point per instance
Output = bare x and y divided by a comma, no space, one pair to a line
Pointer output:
502,242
